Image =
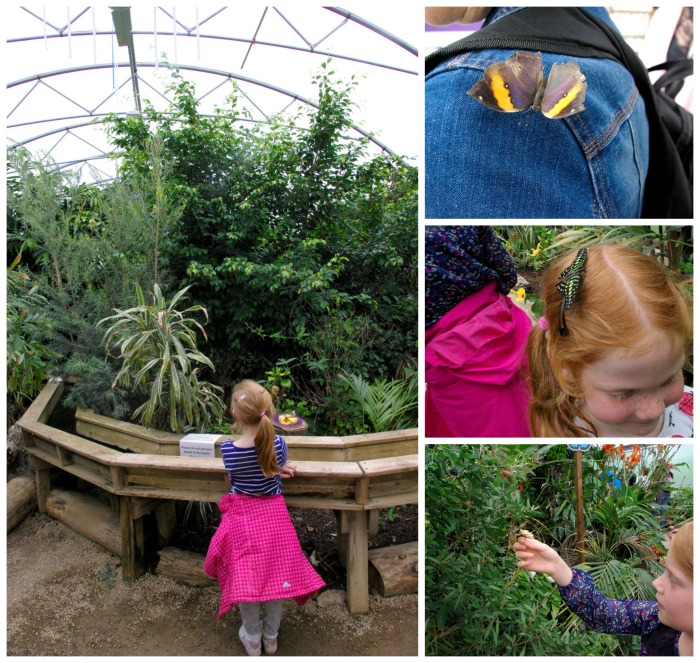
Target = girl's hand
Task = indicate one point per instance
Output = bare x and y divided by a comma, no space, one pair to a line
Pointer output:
288,470
537,556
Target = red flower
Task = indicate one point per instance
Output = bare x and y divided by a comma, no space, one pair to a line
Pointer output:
521,486
505,474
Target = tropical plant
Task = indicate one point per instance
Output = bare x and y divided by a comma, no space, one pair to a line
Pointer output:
158,349
287,230
680,508
388,404
630,579
476,602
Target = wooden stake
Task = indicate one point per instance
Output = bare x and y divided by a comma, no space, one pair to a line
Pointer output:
580,523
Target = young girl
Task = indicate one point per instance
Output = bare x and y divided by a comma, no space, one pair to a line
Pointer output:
606,358
255,553
666,625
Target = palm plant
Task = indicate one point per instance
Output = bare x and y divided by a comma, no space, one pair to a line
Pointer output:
158,348
388,404
624,510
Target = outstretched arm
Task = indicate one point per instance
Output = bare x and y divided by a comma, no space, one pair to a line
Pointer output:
601,613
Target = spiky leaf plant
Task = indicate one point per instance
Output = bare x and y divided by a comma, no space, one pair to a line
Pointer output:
157,345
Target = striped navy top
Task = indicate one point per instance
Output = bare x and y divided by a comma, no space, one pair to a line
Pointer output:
246,476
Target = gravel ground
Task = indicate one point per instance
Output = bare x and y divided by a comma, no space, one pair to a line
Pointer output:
65,596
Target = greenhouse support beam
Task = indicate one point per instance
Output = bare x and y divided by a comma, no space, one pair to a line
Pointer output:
121,17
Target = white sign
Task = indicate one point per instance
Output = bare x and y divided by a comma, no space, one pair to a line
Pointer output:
198,445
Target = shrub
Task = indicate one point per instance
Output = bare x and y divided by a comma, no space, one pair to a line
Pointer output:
27,356
477,602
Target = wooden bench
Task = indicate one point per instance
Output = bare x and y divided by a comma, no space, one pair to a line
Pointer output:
148,482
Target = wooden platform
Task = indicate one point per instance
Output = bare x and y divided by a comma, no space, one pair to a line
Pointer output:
355,476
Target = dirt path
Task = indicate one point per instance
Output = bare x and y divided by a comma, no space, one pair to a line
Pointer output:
65,596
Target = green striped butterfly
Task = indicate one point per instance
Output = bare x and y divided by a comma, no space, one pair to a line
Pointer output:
570,285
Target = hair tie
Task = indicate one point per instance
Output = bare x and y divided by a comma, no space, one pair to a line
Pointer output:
542,323
263,414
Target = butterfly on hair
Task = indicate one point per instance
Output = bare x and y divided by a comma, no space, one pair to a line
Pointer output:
518,83
571,280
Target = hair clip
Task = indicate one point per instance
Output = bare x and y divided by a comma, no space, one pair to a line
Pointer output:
570,286
238,400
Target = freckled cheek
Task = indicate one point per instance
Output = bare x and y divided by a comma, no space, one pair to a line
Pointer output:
673,392
608,410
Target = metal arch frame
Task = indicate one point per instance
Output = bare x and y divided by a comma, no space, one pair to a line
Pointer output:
206,70
256,42
194,32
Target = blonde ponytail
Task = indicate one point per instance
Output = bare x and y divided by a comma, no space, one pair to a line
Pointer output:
251,405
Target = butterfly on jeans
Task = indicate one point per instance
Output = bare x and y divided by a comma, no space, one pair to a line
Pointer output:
518,83
569,285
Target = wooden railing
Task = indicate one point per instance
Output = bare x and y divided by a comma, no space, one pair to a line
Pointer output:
331,474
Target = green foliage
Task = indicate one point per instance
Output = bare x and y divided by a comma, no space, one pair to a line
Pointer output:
672,245
477,603
204,513
527,245
278,381
298,240
27,356
87,246
681,506
479,496
388,404
286,230
95,388
158,348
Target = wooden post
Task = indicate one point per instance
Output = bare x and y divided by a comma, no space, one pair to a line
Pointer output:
42,471
343,530
580,523
373,521
358,563
132,540
165,521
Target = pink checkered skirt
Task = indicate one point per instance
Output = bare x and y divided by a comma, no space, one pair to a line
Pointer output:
255,553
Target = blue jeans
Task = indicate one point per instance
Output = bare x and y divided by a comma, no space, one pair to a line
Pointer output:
481,163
